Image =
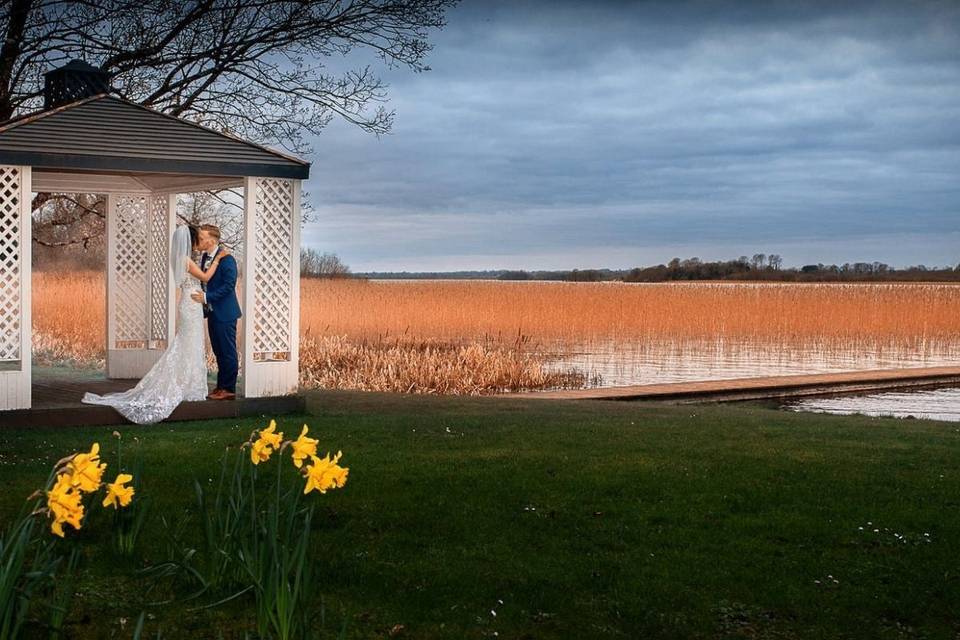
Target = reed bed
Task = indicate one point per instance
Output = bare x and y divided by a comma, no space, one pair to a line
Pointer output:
69,330
69,326
425,366
575,312
473,337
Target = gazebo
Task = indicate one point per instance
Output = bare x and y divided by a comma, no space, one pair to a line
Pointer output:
87,140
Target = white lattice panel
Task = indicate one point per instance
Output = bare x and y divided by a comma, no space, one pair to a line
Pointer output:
131,272
138,282
271,287
273,269
11,294
159,250
15,283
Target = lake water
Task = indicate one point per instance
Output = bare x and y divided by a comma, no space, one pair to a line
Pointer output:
609,364
933,404
617,364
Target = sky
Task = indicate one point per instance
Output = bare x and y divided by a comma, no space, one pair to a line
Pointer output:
560,135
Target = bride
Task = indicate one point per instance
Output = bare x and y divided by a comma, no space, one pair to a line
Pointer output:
181,372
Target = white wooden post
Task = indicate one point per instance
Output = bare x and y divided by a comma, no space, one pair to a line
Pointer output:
171,199
15,287
271,287
138,282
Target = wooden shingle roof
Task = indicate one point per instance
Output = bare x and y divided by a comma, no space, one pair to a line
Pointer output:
107,133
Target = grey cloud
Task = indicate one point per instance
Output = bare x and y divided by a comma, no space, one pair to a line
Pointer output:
551,129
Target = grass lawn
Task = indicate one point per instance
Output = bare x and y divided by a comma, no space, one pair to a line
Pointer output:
571,519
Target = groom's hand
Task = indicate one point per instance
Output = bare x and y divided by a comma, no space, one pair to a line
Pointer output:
197,296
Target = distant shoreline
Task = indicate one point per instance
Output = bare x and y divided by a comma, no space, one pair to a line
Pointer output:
760,268
608,275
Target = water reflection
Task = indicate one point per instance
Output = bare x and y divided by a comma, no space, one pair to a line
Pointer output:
613,364
933,404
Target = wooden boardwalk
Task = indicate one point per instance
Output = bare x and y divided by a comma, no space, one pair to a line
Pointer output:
56,403
766,387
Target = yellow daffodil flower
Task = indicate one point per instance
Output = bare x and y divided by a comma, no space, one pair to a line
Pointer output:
64,503
325,474
117,494
63,484
260,452
303,448
271,438
265,444
86,470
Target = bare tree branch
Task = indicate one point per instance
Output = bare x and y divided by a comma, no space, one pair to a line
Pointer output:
238,65
255,68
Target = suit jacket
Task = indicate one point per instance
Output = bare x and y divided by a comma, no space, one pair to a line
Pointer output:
222,292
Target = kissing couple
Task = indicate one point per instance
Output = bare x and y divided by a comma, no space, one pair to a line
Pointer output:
204,290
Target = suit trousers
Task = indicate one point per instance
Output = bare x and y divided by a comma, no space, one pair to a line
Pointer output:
223,341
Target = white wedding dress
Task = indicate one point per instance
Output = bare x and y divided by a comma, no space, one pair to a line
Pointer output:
179,375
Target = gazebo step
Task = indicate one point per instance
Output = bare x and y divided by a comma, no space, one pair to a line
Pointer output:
82,415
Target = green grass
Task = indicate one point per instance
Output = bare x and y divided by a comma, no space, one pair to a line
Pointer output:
586,519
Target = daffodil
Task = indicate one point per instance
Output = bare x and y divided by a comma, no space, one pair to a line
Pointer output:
264,445
64,503
325,474
260,452
303,448
117,494
86,470
271,438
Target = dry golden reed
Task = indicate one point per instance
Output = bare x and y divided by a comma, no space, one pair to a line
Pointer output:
69,311
484,336
427,366
69,329
577,312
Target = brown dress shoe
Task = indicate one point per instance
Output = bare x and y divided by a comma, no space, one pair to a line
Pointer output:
213,393
222,394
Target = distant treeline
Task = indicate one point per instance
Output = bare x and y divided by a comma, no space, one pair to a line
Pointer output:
759,267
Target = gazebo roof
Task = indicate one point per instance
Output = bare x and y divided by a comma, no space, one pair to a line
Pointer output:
106,134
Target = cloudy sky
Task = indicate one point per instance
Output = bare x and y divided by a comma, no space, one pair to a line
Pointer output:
553,135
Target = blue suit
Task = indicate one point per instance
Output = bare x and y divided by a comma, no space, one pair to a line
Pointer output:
222,312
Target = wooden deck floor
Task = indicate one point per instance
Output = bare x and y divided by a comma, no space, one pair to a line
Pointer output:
56,403
766,387
57,396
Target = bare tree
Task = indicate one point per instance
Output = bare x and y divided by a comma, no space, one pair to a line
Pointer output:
758,260
774,261
214,208
66,219
68,230
74,223
322,265
254,69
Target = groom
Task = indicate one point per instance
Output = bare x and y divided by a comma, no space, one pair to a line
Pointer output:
221,309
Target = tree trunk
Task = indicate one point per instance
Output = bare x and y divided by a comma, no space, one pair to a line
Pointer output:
10,52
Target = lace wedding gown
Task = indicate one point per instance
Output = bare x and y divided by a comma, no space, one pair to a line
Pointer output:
179,375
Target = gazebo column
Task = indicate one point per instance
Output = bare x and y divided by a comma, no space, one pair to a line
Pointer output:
271,287
15,286
139,288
